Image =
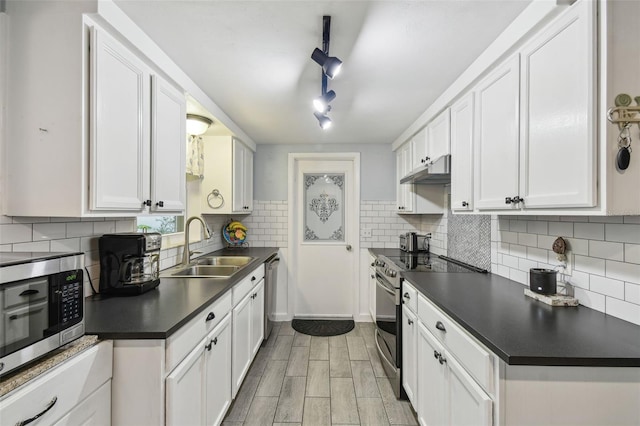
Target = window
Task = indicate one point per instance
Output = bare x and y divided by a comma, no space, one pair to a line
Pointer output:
161,224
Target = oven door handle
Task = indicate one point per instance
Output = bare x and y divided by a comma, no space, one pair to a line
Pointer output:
381,352
384,287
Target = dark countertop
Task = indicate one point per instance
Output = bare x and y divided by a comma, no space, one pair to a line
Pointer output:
158,313
523,331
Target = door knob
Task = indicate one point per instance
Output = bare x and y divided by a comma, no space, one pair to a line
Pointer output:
348,247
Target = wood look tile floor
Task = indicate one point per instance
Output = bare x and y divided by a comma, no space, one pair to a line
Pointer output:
297,379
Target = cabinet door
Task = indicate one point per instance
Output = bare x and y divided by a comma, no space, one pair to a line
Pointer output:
168,147
248,179
468,403
119,126
185,395
558,133
257,318
409,354
462,154
238,177
95,410
419,149
431,380
372,288
406,190
439,136
496,155
241,342
399,186
218,372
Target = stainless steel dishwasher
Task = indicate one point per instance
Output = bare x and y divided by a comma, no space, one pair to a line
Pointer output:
270,285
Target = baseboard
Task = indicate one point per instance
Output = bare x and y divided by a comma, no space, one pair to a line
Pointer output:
283,316
324,317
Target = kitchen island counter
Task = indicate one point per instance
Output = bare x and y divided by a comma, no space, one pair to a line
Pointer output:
159,313
523,331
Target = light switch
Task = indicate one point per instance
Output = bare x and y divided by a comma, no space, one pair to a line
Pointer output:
366,232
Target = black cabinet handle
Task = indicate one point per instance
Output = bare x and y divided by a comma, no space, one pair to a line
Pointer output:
253,278
409,322
215,340
373,276
37,416
208,346
465,204
440,326
406,296
517,199
146,203
210,316
442,359
160,204
29,292
508,200
436,354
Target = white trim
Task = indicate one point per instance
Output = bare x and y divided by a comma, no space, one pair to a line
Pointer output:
355,245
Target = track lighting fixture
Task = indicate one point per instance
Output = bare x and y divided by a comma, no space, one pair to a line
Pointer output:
330,64
330,68
323,120
321,103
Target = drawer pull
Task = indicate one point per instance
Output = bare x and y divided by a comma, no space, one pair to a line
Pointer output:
208,346
37,416
442,359
29,292
440,326
215,340
436,354
409,322
210,316
406,296
253,278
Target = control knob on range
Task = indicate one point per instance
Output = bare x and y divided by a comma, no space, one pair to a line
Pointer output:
390,273
380,263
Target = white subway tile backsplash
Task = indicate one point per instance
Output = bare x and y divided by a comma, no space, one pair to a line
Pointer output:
16,233
606,250
632,253
626,233
624,310
589,231
516,225
607,286
623,271
590,299
519,276
101,228
32,246
589,264
561,229
49,231
604,253
79,229
67,244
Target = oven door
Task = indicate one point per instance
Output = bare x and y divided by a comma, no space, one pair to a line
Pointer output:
387,318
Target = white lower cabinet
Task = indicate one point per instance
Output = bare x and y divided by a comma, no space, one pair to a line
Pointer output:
248,333
431,380
78,391
409,353
468,403
199,388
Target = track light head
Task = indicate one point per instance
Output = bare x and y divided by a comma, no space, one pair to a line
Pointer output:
321,103
330,64
323,120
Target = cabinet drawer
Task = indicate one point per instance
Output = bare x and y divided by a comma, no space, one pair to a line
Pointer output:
187,337
409,296
477,360
69,383
244,287
95,410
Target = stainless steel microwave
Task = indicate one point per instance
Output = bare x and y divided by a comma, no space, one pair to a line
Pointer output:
41,305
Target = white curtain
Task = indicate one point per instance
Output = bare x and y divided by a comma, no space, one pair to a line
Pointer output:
195,156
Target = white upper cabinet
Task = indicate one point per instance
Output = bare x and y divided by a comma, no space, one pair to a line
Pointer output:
119,126
168,147
558,120
404,164
462,114
496,152
419,149
438,137
229,170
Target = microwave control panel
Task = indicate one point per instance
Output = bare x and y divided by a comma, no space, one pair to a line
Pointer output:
67,287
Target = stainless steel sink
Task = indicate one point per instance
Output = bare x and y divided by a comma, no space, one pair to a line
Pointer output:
224,260
204,271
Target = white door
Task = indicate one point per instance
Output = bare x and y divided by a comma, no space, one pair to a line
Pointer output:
168,147
431,380
325,207
185,390
248,179
119,126
419,149
241,341
462,154
257,318
439,136
468,403
218,372
409,354
496,155
558,130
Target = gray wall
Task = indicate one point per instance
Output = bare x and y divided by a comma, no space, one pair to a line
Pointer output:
377,169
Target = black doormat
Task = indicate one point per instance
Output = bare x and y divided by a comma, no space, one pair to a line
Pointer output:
322,327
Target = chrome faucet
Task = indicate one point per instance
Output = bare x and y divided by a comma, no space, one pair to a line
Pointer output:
186,254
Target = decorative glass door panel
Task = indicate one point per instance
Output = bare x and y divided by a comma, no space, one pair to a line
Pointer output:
324,213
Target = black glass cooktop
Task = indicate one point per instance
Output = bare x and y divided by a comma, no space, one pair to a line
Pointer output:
428,262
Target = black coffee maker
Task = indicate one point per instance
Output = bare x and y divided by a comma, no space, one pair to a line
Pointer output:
129,263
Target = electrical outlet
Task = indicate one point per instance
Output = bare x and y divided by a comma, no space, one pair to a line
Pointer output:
366,233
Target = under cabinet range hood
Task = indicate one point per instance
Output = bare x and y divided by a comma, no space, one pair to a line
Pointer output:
438,172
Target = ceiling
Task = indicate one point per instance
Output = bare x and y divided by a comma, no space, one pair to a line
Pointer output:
252,58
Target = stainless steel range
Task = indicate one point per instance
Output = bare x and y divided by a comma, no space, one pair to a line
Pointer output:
389,304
